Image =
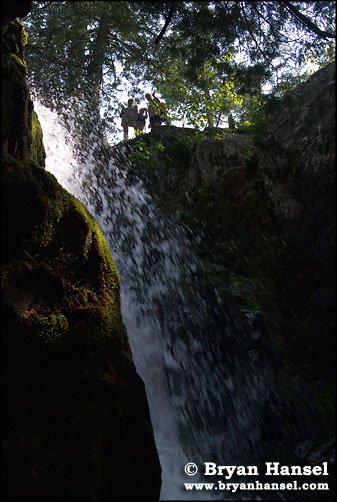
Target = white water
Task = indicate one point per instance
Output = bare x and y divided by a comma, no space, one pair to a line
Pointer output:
205,404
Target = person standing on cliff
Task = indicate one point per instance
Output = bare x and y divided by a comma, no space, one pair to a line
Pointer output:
129,117
162,109
231,122
140,123
155,119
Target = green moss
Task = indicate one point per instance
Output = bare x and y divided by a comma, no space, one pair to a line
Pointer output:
37,152
24,37
20,64
45,222
16,118
61,291
50,329
104,332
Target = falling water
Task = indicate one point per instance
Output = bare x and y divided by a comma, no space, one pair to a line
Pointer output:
207,397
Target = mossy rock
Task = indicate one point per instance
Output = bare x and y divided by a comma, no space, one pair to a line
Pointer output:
76,411
16,103
76,418
37,151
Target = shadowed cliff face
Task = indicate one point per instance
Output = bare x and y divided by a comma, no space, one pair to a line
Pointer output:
76,417
263,209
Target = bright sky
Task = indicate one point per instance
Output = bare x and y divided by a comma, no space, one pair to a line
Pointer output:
125,95
123,98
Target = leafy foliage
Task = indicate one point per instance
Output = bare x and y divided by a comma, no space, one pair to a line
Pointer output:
252,116
146,154
203,100
209,58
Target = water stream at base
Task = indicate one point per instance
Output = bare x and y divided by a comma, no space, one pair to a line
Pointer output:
207,398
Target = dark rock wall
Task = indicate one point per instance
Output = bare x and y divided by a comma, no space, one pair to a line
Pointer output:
264,208
298,169
76,423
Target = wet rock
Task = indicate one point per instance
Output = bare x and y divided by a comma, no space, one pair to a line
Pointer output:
257,330
316,452
263,210
75,414
298,168
214,158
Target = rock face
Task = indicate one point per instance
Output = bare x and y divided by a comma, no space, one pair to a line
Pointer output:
263,208
76,419
299,169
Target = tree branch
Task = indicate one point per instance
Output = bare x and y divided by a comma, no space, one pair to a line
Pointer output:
164,28
306,21
261,15
251,33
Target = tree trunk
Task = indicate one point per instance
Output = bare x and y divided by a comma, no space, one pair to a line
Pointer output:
98,49
95,74
208,113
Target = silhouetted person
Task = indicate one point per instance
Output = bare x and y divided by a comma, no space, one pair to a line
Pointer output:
140,122
155,119
231,122
128,116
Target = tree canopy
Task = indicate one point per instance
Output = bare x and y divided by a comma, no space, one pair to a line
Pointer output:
203,58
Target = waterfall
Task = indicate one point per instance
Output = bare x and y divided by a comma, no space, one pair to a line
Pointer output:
207,394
